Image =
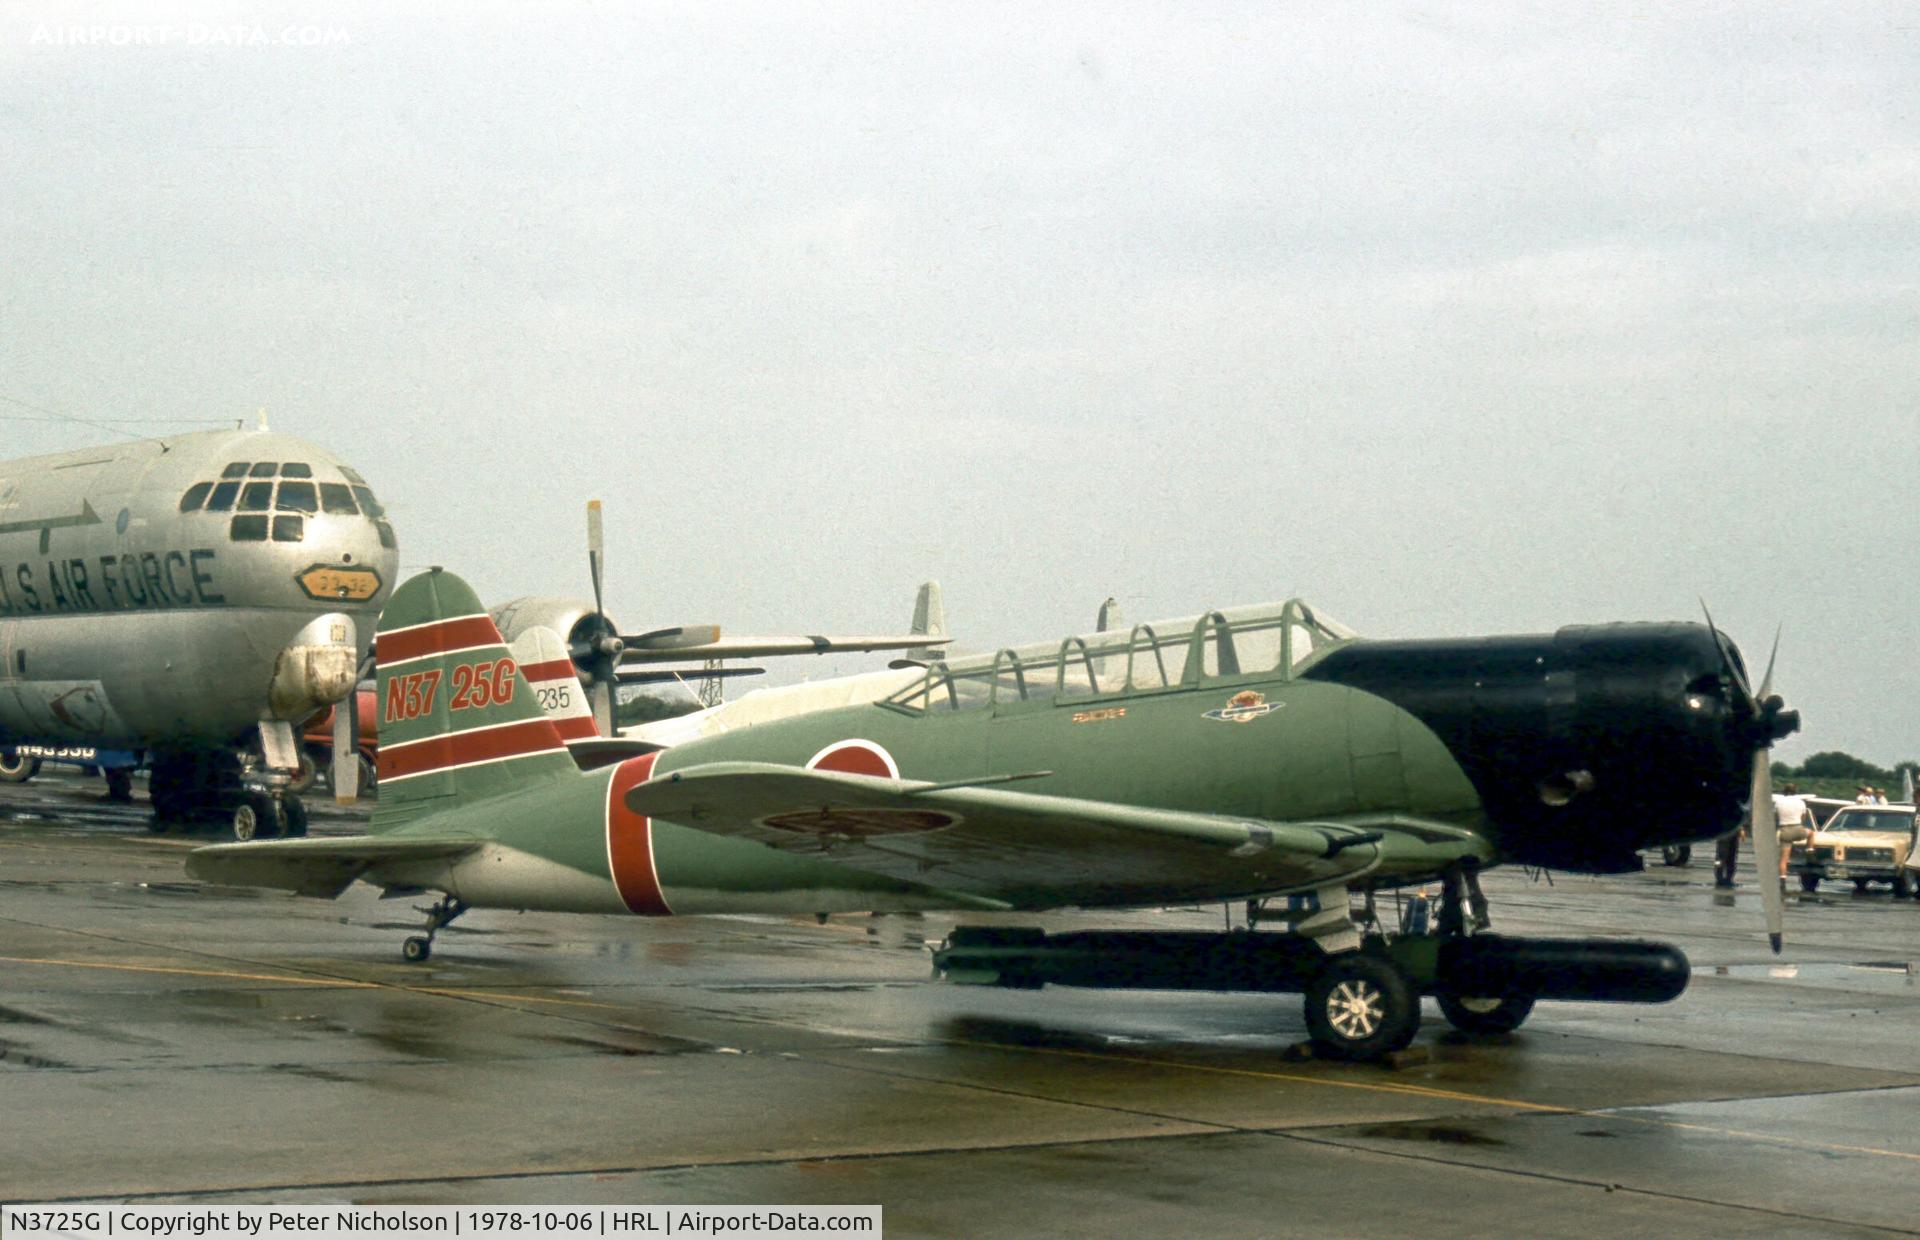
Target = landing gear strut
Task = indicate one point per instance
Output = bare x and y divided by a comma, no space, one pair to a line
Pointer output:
1362,982
208,787
418,948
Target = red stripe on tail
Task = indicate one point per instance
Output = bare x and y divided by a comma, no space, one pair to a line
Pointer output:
553,669
438,753
425,639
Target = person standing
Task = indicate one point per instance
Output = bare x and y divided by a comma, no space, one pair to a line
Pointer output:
1790,817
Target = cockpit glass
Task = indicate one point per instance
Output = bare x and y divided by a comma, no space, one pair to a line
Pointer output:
368,504
297,497
256,497
289,529
264,469
296,469
386,535
237,469
336,499
248,529
351,475
222,498
195,496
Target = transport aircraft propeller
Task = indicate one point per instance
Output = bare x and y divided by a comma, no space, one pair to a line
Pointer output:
1763,719
598,653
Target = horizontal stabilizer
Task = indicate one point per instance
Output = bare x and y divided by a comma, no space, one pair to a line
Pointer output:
323,868
992,840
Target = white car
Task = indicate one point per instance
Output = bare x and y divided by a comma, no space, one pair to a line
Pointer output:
1865,843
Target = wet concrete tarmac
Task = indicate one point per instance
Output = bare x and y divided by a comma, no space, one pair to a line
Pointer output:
164,1041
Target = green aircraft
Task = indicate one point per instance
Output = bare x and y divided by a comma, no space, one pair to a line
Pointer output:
1262,754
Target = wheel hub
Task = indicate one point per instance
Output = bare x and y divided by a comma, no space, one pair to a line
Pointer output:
1355,1008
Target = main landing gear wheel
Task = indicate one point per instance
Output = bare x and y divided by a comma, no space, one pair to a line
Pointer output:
256,817
1361,1007
417,949
303,777
1486,1014
15,769
120,786
1676,854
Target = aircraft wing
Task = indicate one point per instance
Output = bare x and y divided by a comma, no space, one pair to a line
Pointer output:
1028,848
677,645
323,868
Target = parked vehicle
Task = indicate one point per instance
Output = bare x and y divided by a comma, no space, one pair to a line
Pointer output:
20,763
1866,844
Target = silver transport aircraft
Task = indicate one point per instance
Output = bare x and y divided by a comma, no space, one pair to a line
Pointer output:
194,597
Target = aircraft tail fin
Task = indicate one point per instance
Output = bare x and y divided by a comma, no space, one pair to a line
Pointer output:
555,681
929,620
458,719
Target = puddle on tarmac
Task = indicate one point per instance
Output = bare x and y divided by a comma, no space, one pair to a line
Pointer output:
1868,974
1444,1134
13,1055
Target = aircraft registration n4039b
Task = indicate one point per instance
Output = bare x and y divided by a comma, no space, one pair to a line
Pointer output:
1262,754
187,596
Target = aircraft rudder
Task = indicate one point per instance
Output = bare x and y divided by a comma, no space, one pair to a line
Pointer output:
458,718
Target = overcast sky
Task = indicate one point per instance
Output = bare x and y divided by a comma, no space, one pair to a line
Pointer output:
1454,319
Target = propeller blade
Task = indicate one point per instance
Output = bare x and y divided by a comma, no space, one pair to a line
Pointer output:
602,696
346,749
596,552
1765,829
1735,672
1766,681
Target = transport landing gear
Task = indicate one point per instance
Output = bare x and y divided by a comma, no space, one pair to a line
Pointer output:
418,948
120,786
15,769
1362,983
205,788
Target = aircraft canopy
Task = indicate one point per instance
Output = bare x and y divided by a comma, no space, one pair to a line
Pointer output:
1253,641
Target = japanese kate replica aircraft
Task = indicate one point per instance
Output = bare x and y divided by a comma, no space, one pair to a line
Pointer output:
189,596
1261,754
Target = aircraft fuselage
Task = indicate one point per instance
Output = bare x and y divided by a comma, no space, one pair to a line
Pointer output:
127,621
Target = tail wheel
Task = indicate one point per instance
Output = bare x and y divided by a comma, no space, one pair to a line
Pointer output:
1495,1014
1361,1007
